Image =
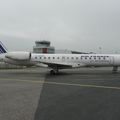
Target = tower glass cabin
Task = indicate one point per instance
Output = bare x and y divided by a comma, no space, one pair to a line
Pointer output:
43,47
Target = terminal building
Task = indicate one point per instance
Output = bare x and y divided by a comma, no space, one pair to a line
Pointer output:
43,47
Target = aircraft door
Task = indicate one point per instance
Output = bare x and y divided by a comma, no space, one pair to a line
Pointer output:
63,58
111,60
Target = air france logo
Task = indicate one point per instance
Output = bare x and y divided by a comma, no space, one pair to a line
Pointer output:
2,49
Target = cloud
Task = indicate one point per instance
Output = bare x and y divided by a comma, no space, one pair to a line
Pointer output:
81,25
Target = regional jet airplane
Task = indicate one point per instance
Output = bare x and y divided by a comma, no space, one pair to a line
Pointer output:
60,61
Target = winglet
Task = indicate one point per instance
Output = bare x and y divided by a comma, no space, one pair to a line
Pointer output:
3,49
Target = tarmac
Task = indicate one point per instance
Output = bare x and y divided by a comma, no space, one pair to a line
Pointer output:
77,94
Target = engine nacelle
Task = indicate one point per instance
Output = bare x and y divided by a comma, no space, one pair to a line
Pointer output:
20,56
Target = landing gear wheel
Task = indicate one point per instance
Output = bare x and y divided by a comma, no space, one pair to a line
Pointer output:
52,72
115,69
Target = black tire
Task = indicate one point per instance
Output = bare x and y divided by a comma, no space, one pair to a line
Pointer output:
52,72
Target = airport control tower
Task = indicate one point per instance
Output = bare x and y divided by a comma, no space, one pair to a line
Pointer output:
43,46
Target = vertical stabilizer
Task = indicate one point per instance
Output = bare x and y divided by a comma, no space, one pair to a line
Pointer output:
3,49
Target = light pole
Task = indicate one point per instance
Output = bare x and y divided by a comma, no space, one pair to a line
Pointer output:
100,50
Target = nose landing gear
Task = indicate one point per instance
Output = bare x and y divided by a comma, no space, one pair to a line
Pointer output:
115,69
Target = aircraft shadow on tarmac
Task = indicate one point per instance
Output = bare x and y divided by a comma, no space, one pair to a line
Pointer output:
69,73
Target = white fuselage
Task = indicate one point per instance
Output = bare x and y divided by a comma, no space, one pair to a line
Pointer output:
73,60
78,60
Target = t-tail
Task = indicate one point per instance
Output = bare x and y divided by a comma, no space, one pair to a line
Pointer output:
3,49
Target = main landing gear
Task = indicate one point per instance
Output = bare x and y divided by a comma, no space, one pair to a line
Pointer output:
54,72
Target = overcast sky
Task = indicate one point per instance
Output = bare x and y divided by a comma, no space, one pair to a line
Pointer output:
83,25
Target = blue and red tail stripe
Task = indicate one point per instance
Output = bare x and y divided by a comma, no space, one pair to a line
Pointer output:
2,48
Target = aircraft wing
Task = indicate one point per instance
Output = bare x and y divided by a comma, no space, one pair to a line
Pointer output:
60,65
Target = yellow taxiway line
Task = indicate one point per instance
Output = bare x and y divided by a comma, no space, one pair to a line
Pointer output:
59,83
